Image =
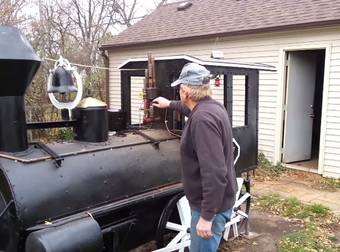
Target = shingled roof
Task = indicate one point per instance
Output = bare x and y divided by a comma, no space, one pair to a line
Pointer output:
206,18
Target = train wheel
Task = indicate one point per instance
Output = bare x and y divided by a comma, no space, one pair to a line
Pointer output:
167,214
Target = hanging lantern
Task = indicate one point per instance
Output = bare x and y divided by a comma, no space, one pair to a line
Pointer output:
217,81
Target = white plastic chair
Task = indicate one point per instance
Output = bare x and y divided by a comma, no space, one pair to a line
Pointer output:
182,239
237,215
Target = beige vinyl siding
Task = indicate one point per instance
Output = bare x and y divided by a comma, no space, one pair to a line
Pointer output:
263,48
137,113
239,100
332,140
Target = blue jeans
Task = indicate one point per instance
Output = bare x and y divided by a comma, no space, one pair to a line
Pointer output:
199,244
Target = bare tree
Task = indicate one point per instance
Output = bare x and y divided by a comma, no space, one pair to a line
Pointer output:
75,29
126,12
72,28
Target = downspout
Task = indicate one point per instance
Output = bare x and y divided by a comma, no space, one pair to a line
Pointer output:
106,59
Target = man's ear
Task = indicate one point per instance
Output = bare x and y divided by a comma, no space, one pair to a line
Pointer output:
186,94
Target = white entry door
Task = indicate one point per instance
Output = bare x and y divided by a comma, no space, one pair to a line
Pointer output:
301,76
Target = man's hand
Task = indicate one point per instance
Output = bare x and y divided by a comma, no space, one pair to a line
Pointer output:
203,228
161,102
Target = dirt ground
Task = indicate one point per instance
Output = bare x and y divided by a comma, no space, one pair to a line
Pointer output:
266,228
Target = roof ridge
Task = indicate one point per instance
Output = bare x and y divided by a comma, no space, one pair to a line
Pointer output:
172,3
207,18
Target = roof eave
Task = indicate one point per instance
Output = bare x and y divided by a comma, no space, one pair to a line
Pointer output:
212,62
318,24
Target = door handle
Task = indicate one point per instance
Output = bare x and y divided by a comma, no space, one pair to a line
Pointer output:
311,115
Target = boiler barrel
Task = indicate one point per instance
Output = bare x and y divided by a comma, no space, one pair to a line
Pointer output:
41,191
128,178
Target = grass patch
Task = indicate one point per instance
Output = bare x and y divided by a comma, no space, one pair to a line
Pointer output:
304,240
292,207
328,183
314,235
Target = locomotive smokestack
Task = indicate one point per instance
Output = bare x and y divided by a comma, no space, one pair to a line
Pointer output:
18,65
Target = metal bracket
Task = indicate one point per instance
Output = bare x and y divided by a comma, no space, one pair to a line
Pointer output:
58,159
153,141
238,150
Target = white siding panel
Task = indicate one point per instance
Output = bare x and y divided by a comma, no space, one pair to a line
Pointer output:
272,99
334,75
333,132
334,157
332,126
334,68
265,115
336,49
334,88
266,126
335,175
333,108
263,48
334,81
239,100
335,56
336,62
267,86
331,143
266,137
268,76
137,85
332,151
334,101
333,119
332,140
269,110
333,165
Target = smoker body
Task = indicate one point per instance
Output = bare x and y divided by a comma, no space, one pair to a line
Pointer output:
91,177
100,193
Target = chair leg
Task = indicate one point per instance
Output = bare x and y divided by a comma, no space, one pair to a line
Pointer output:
226,233
235,230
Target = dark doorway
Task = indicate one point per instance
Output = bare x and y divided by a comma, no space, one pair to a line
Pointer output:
303,107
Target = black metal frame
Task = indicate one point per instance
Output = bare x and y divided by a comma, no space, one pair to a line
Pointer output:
56,124
168,70
248,160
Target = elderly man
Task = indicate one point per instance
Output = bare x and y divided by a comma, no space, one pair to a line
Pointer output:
207,157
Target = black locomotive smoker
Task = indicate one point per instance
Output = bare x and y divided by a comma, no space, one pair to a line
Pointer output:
96,193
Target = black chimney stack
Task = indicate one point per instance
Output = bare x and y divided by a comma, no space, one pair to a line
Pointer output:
18,65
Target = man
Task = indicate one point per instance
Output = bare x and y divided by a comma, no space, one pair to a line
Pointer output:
207,157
